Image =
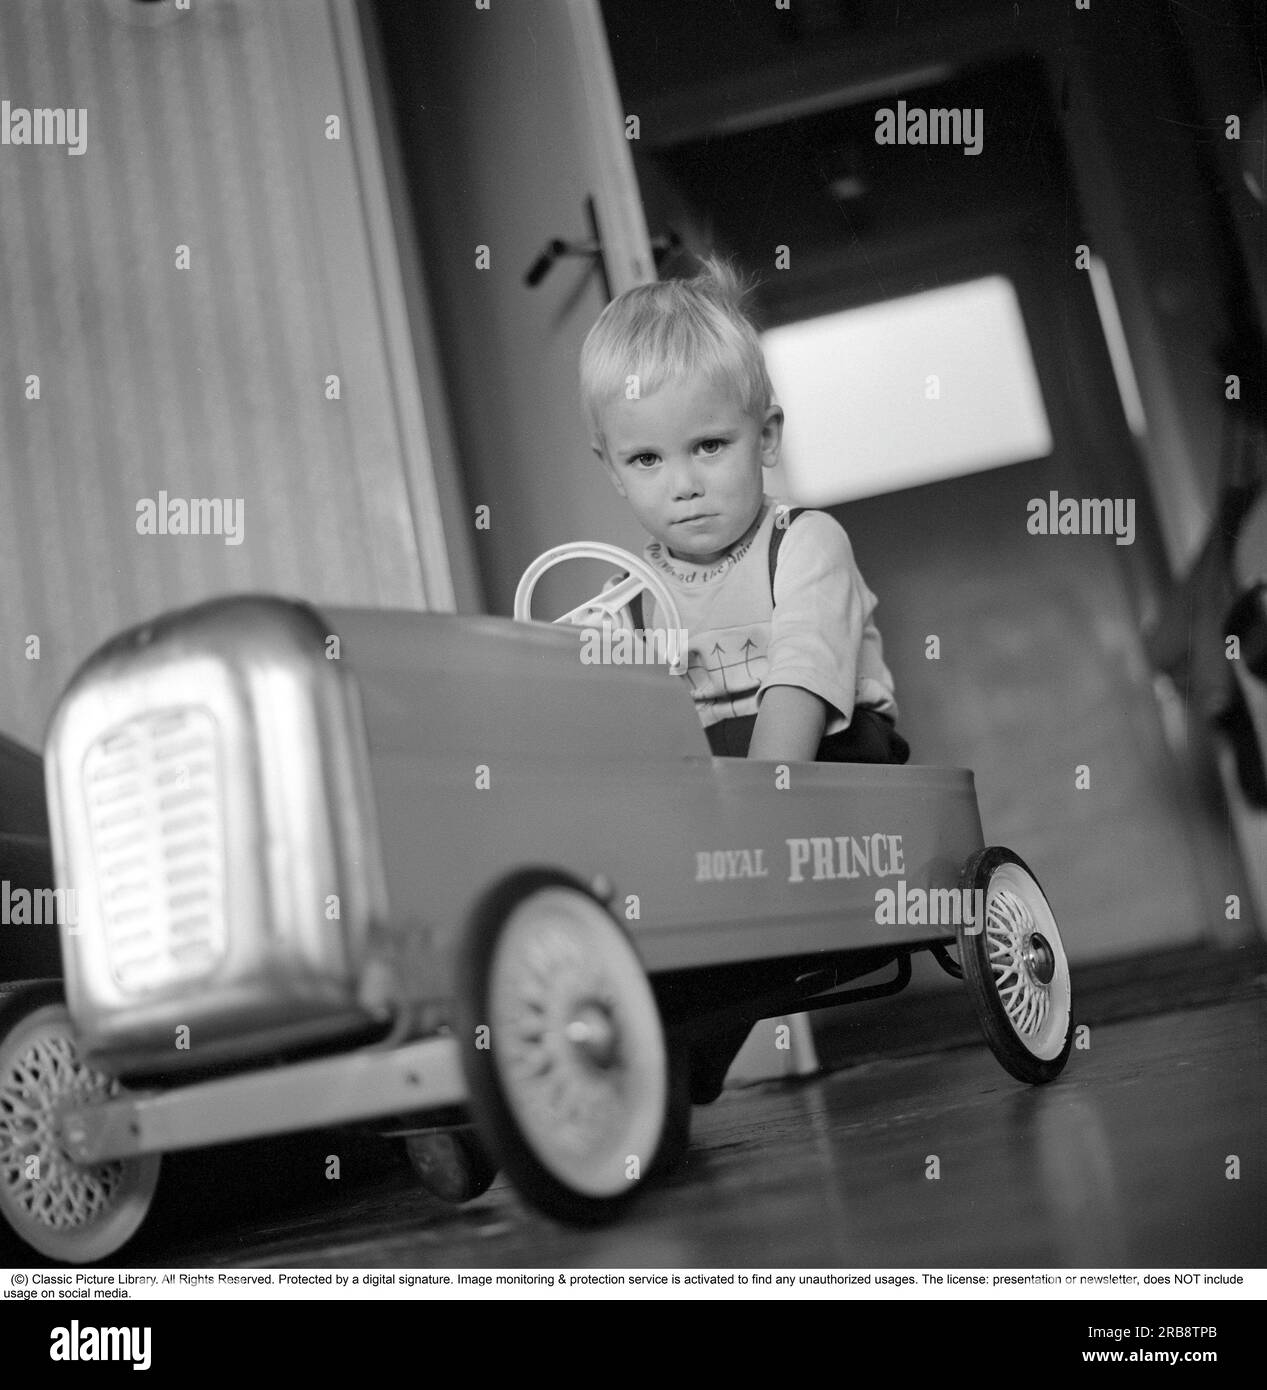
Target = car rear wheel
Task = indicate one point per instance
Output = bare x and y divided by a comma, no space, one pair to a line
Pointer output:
564,1051
1015,966
67,1211
452,1164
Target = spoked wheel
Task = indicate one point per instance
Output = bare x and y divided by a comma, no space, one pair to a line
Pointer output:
1015,966
563,1048
63,1209
451,1164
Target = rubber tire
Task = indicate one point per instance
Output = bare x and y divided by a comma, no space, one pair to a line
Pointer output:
452,1164
1006,1044
487,1099
21,1011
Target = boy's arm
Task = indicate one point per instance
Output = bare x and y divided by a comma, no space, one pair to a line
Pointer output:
821,609
789,725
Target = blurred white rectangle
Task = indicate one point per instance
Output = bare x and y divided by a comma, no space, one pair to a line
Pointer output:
909,391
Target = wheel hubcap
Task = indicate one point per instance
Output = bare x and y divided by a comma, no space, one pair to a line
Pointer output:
560,1042
1011,938
577,1042
1026,960
592,1032
1040,959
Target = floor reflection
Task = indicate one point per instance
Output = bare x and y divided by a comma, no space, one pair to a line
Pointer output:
1119,1163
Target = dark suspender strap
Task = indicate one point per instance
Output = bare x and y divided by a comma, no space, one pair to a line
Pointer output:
776,540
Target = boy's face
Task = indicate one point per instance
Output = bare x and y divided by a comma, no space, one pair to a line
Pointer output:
688,459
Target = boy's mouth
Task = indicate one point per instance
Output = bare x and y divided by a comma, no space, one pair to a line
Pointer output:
699,516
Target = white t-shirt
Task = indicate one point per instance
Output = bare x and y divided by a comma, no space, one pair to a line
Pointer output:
818,634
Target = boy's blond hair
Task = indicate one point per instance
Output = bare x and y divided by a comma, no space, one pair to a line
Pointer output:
669,329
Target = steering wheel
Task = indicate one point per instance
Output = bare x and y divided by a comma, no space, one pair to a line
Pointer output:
612,605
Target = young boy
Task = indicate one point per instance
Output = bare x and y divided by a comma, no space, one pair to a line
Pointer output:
785,660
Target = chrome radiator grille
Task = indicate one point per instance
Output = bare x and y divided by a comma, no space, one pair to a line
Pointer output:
152,788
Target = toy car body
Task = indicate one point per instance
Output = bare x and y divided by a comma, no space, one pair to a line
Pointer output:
443,869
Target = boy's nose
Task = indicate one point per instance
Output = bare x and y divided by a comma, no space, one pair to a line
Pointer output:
685,480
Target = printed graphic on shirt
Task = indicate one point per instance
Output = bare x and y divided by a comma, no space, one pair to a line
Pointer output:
729,667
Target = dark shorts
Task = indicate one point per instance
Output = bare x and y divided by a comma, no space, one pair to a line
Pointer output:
870,738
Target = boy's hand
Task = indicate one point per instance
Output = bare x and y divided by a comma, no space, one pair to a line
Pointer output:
789,727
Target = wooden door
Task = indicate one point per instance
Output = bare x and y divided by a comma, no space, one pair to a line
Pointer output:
510,127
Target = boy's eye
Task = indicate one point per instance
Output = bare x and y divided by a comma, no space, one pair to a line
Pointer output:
644,460
709,447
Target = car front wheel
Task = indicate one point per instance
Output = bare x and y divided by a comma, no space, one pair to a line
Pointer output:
564,1050
67,1211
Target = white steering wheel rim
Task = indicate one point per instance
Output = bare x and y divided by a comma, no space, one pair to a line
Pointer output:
613,604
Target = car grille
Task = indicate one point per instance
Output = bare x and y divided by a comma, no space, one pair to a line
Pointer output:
152,790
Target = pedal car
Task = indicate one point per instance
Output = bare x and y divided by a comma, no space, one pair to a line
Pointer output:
442,876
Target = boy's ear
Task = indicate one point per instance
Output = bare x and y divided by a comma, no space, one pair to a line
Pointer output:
771,436
608,467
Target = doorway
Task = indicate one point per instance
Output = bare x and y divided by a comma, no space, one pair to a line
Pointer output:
1017,654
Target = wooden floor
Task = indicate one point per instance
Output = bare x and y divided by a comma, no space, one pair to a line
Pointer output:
1123,1162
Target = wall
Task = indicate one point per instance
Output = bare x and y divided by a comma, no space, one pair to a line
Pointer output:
205,128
